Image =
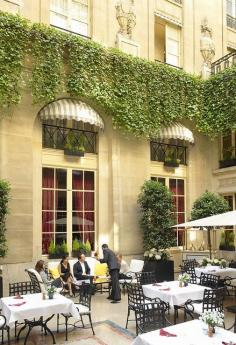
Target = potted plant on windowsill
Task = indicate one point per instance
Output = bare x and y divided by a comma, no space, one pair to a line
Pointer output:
56,251
74,147
172,162
156,219
78,246
229,158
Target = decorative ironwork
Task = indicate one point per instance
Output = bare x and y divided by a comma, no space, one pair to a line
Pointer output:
56,137
231,21
159,61
225,62
162,152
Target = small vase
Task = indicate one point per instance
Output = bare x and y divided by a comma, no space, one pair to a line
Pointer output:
50,296
211,331
185,283
180,283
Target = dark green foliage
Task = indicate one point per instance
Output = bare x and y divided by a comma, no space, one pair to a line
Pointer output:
209,204
4,199
156,207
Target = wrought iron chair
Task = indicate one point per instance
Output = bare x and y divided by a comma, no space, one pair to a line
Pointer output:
145,278
150,316
210,280
83,304
212,300
136,298
4,327
37,283
191,271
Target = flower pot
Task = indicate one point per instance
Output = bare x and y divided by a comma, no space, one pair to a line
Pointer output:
50,295
210,331
69,152
164,269
171,164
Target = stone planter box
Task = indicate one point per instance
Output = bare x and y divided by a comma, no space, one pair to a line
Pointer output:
227,163
68,152
164,270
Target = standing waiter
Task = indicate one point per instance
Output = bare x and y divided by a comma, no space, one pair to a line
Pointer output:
110,259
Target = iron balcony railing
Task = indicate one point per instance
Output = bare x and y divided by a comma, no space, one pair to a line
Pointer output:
231,21
56,137
225,62
162,152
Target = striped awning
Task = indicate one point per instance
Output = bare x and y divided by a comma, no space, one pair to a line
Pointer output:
71,109
176,131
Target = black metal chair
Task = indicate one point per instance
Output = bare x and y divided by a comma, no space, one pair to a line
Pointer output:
150,316
190,270
190,262
212,300
83,304
210,280
37,286
145,278
4,327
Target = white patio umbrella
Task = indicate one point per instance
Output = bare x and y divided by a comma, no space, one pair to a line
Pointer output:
223,219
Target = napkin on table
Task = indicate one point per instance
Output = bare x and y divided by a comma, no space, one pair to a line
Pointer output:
17,304
165,289
166,334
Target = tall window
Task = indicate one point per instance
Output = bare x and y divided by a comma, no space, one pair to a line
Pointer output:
228,144
172,52
231,8
68,206
177,187
71,15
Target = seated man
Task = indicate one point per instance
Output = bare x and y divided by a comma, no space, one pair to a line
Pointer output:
81,269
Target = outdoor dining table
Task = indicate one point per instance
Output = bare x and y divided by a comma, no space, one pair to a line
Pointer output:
187,333
32,309
216,270
172,293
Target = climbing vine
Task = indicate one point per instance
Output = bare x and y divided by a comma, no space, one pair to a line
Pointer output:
141,96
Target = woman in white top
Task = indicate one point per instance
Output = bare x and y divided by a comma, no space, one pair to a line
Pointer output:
124,268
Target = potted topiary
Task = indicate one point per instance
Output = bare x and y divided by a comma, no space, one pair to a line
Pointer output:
156,208
74,147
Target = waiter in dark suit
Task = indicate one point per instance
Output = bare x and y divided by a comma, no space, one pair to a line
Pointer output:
81,268
110,258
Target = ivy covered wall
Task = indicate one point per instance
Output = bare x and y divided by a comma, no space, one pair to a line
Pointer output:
141,96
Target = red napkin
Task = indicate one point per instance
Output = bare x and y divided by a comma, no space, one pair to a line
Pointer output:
17,304
224,343
166,334
165,289
18,297
156,284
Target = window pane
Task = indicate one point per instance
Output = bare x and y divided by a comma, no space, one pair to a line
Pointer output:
60,200
180,187
180,218
89,221
153,178
46,239
61,179
77,180
58,6
79,11
181,239
47,221
77,221
229,198
89,180
78,236
227,146
230,7
172,186
48,178
162,180
79,27
61,222
89,201
180,204
59,238
48,200
77,201
58,20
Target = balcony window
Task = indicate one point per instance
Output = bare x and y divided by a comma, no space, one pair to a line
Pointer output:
57,133
168,152
231,13
228,152
71,15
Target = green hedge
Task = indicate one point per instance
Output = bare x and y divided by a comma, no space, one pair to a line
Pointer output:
141,96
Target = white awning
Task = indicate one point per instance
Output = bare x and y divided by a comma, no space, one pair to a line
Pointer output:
223,219
176,131
71,109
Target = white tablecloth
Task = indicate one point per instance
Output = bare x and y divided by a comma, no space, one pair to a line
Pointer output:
221,272
176,295
188,333
35,306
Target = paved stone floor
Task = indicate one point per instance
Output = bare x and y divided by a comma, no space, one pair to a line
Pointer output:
106,334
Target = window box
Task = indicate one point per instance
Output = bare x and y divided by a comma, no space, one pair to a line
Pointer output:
69,152
172,164
227,163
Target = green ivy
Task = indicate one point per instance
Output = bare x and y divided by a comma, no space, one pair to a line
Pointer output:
4,199
141,96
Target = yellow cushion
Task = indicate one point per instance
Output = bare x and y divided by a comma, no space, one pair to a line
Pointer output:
54,272
100,269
